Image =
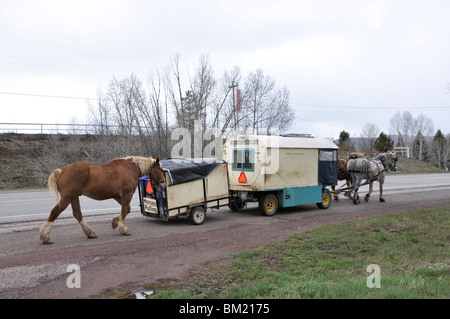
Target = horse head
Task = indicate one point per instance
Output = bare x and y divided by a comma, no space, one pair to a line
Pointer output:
342,170
392,159
389,160
157,174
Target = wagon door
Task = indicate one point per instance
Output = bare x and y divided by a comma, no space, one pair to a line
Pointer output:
328,167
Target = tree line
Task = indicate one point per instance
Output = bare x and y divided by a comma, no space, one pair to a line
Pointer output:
405,131
145,113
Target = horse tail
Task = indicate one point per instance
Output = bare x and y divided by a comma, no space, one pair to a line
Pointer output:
52,186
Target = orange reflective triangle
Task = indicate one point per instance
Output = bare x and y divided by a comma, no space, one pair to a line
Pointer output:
149,188
242,178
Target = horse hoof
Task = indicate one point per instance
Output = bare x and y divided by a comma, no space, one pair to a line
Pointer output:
366,198
123,230
114,223
382,200
45,239
355,202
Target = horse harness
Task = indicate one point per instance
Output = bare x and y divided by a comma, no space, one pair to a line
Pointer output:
362,166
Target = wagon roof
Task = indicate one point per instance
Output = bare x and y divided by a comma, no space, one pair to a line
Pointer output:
189,169
295,142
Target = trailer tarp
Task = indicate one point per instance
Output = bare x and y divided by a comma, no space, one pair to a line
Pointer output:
186,170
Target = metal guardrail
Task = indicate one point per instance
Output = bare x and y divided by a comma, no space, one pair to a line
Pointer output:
44,128
47,128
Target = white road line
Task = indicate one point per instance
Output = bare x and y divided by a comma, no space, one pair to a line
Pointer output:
66,212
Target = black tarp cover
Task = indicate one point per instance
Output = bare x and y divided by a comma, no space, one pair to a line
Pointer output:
186,170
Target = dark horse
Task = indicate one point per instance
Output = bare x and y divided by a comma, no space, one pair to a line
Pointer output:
117,179
343,174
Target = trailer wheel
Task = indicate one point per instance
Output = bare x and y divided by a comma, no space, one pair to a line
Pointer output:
326,200
268,204
197,215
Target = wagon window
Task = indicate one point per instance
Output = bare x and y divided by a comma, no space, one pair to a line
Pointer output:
327,156
243,159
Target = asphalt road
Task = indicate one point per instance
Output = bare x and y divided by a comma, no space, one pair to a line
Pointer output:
157,250
35,205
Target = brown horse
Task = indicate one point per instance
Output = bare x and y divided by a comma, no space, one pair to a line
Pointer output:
117,179
343,173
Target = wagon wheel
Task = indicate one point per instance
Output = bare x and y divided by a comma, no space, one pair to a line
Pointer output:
268,204
326,200
197,215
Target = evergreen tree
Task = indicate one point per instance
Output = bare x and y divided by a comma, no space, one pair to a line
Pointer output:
344,140
439,151
383,143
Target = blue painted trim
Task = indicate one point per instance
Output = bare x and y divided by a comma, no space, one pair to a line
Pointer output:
295,196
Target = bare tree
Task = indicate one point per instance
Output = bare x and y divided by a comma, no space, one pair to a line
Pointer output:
100,114
369,134
174,91
258,88
156,114
280,115
404,126
118,118
228,112
424,127
203,87
130,112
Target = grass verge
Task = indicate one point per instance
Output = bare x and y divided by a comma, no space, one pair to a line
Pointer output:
330,261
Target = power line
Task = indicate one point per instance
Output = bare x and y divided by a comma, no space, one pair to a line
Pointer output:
49,96
375,108
296,103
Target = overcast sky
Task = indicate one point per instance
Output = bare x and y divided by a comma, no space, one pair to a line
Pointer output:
345,63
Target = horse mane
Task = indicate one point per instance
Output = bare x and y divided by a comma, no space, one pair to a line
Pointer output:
144,163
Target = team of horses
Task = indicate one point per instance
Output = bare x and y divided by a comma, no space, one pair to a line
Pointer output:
370,170
118,179
356,168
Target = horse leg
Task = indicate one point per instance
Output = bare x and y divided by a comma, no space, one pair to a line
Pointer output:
76,211
44,231
349,193
381,192
115,220
367,197
356,183
122,229
335,196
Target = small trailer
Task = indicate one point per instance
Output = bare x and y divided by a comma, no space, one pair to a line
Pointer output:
280,171
192,187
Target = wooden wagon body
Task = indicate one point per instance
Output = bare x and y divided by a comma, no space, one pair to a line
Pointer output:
192,187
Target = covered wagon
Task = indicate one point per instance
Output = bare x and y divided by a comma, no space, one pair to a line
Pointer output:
280,171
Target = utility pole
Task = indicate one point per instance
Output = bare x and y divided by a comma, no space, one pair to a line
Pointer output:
232,86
